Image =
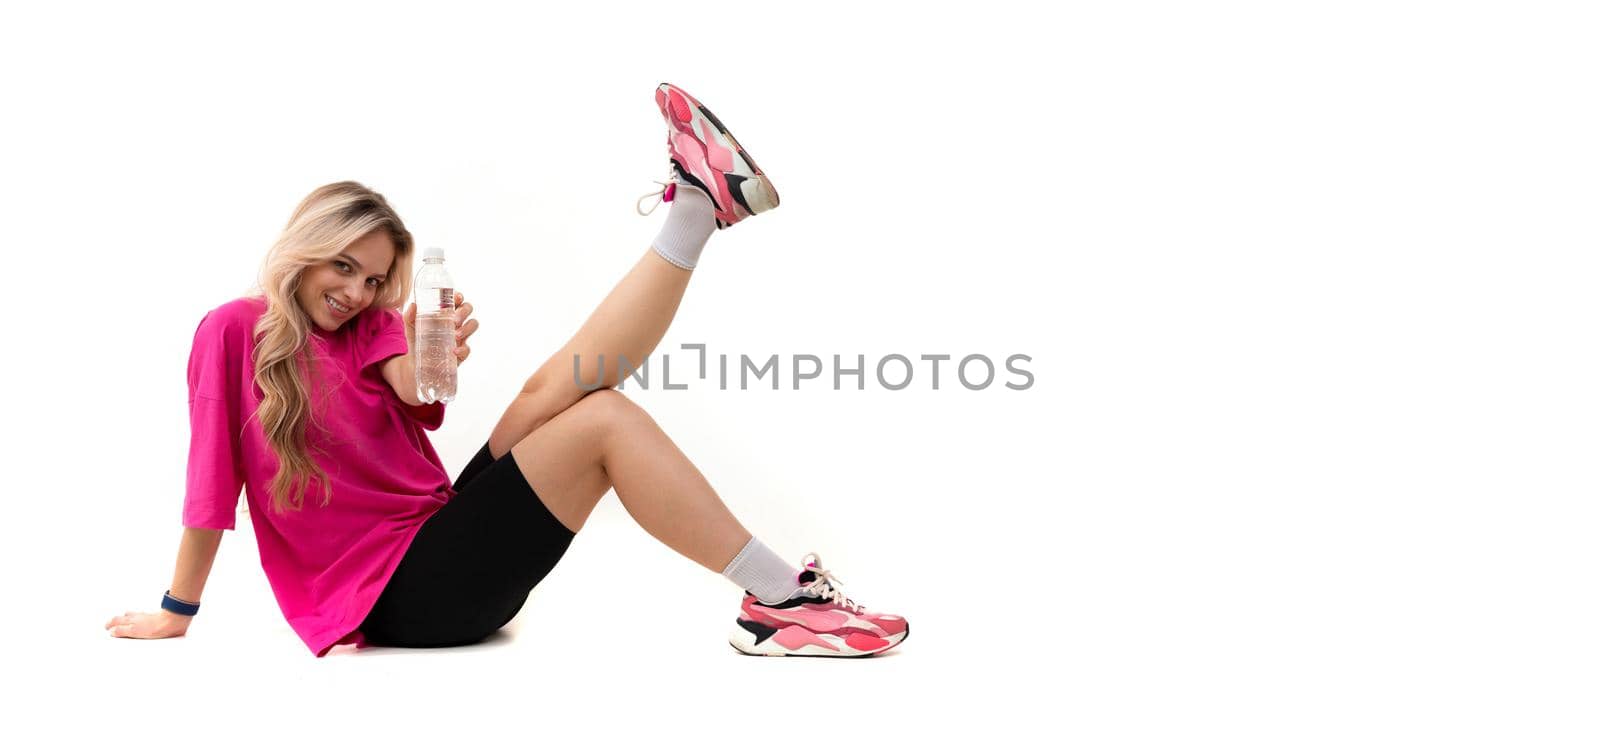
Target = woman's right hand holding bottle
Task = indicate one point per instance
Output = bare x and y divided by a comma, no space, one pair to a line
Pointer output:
149,626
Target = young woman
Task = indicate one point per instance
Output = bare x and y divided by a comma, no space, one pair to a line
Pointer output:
306,390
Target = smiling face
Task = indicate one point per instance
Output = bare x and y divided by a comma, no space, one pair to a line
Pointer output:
333,292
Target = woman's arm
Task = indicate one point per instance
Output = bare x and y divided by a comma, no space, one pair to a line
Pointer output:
400,371
196,552
401,374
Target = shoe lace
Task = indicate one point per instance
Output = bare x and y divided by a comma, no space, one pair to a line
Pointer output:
661,194
826,585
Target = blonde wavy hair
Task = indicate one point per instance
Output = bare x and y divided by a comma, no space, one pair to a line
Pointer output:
325,223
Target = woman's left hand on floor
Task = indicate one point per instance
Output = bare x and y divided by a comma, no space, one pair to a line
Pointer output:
142,626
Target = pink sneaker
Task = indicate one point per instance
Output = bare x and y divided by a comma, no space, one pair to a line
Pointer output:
705,155
817,621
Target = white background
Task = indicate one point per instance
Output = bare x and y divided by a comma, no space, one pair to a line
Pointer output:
1309,291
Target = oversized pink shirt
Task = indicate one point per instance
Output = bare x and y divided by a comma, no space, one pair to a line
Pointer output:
327,565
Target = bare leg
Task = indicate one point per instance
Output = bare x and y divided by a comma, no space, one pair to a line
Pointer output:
629,322
605,441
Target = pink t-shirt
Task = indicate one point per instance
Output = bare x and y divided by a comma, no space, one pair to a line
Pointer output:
327,565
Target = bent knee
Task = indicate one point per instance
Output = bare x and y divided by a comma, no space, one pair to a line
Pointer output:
607,405
606,411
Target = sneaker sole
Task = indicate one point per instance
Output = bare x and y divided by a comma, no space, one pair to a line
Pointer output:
752,190
744,640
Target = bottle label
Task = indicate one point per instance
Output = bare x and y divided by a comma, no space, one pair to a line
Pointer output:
435,300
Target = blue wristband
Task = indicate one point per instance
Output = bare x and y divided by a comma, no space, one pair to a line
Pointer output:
178,606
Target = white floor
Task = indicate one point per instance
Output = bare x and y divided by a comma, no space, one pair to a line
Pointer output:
580,654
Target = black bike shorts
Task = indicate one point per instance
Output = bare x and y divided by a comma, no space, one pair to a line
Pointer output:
473,563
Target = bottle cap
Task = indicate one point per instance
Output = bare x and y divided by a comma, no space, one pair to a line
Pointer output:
429,253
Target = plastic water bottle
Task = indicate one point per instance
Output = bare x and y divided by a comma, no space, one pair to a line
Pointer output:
436,329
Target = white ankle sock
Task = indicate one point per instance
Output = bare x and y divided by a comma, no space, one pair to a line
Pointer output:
690,222
758,570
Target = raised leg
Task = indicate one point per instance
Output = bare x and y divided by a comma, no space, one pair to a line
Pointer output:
629,322
606,441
